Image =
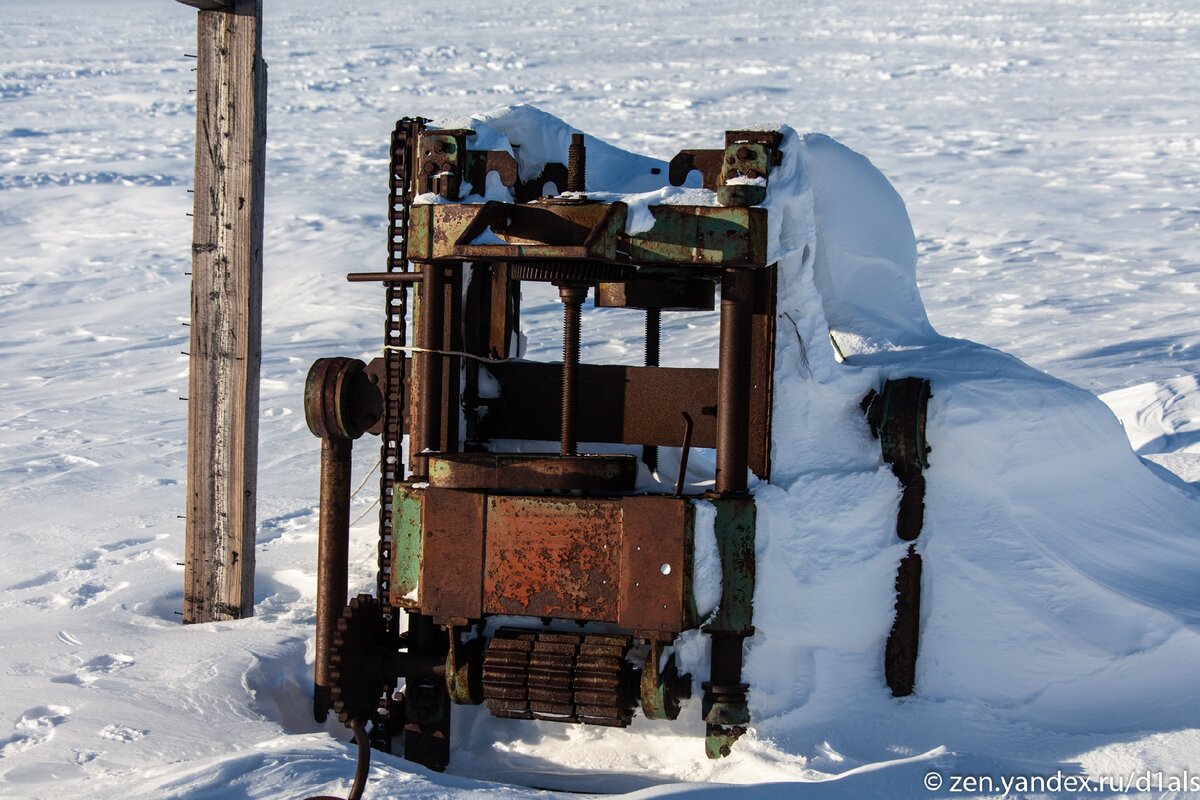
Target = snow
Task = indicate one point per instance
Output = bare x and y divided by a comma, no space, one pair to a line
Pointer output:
1045,156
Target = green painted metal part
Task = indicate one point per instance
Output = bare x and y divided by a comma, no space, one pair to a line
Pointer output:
719,713
406,545
707,236
901,422
550,230
433,229
720,739
691,614
745,159
734,529
750,159
703,236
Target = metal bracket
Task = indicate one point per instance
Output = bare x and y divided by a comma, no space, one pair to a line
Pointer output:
734,529
444,161
661,690
209,5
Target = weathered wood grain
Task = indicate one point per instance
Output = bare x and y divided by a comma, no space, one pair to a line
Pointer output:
223,384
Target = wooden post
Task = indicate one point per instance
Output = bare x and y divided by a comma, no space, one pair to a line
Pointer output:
231,132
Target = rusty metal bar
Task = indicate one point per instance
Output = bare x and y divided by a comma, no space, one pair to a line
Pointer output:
433,315
384,277
577,164
653,342
333,548
733,380
684,453
572,298
631,405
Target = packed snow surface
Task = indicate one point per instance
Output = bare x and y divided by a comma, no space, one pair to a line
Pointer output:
1046,156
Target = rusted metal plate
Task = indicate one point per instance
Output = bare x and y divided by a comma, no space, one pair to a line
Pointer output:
532,471
625,560
631,405
552,557
656,560
659,292
516,232
704,236
433,229
762,369
481,162
549,229
553,173
452,553
706,162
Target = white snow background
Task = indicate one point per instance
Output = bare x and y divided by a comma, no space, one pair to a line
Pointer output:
1048,157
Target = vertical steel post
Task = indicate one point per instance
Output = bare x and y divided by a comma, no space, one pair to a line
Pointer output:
333,552
733,380
653,342
433,318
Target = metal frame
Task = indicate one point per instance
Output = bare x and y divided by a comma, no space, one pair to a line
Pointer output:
472,532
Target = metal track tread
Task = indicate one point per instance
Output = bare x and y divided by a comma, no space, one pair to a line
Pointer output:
560,677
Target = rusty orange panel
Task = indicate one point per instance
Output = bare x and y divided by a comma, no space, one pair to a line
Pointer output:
656,561
452,553
552,557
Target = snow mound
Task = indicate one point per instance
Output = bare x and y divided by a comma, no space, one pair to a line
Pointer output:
1162,421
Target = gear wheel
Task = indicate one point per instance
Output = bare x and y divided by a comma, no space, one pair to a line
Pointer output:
585,272
358,650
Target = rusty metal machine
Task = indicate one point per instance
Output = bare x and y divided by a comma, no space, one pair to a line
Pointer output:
545,585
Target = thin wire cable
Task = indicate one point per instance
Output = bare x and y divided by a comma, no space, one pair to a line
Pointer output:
370,472
366,511
414,349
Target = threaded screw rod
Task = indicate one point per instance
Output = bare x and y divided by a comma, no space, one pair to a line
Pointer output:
572,297
577,164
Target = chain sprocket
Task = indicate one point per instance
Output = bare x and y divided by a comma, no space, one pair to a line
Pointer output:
359,646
